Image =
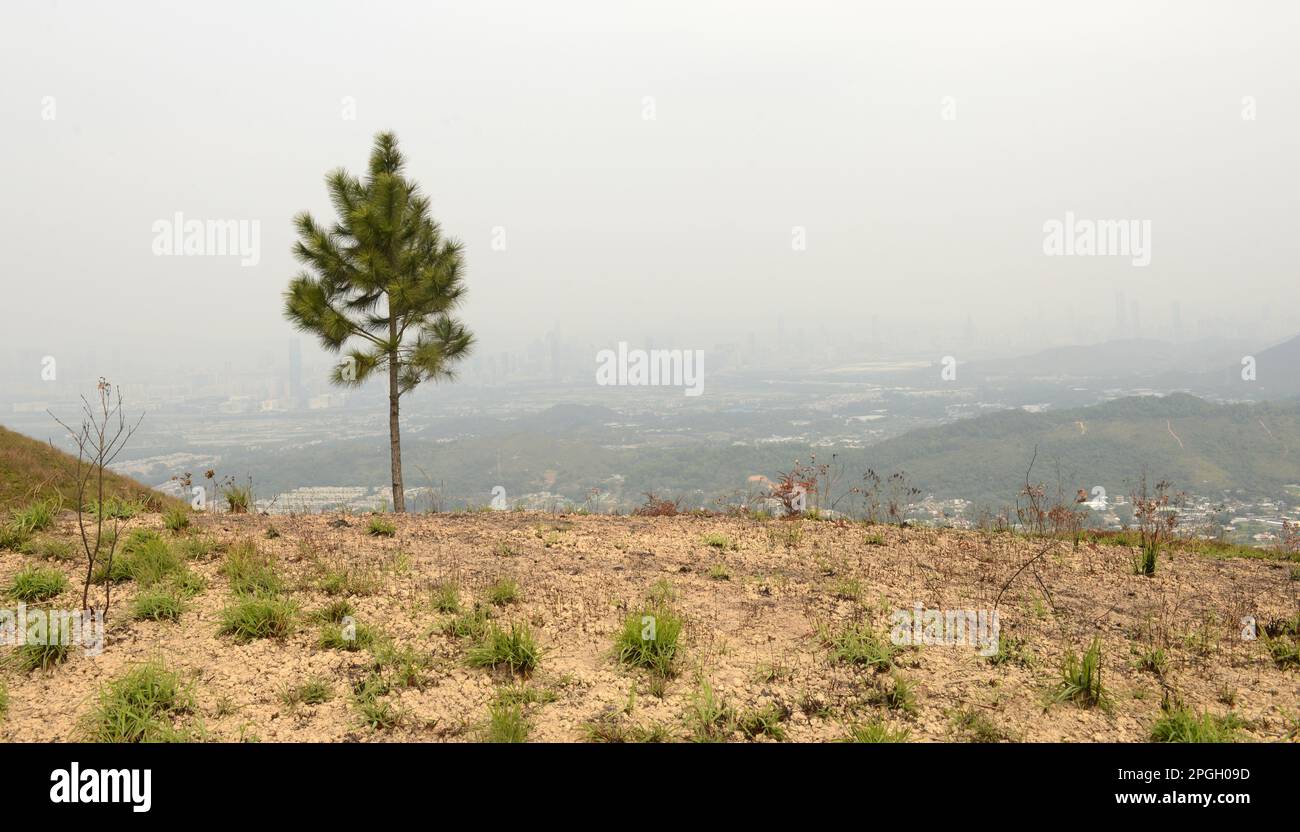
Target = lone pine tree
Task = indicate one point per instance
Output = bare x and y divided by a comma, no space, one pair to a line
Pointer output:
380,286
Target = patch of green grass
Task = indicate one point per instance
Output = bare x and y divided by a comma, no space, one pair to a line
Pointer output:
51,548
469,624
1154,660
31,657
187,584
381,527
709,717
1180,724
1145,561
1284,651
376,712
37,583
504,549
859,644
525,695
1013,650
513,649
899,695
446,598
149,559
140,706
13,537
718,541
4,700
314,690
239,498
506,723
114,570
36,517
765,721
116,508
1081,678
503,591
719,572
176,519
874,540
1282,640
849,589
649,640
254,617
876,731
972,724
345,635
343,579
249,571
157,604
661,593
196,548
406,665
335,611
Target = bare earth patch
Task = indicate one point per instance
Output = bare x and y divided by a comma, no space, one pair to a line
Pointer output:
758,600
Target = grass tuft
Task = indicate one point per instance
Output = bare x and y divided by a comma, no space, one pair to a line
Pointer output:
249,571
719,541
649,640
313,691
141,706
513,649
503,591
36,517
256,617
157,604
176,519
1081,678
876,731
37,583
860,645
345,635
446,598
506,723
709,717
1180,724
31,657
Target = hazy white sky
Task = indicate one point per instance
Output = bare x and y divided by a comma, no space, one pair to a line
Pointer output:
766,117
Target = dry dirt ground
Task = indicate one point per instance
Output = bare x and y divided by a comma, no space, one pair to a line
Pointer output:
757,606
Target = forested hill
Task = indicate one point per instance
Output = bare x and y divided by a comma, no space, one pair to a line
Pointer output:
1199,446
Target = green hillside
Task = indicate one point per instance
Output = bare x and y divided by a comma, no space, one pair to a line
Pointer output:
1197,445
31,470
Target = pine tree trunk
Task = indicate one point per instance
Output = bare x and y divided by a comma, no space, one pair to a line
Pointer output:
395,436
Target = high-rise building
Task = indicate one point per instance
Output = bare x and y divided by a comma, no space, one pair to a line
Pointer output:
297,396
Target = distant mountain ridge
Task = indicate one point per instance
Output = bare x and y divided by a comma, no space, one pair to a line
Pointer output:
1197,445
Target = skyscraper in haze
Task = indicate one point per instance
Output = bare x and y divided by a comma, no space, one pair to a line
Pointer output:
296,396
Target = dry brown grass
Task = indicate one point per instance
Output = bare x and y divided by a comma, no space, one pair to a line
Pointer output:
580,577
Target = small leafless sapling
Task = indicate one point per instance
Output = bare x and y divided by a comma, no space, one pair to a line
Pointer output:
103,434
